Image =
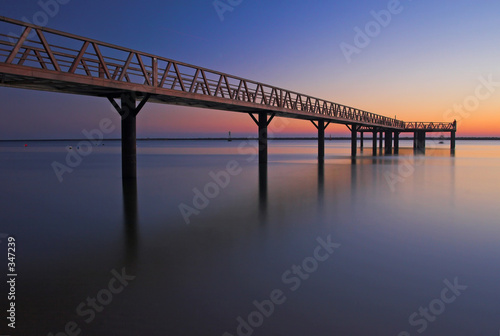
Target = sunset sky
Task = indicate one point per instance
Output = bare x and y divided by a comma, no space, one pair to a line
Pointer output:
428,61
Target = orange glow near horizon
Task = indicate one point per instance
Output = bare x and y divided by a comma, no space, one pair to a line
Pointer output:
164,120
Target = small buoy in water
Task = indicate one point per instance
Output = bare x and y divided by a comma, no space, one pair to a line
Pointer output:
69,147
25,145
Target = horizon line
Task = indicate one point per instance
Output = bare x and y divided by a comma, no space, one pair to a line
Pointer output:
244,138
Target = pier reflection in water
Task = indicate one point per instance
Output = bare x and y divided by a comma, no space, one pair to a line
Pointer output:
263,193
131,220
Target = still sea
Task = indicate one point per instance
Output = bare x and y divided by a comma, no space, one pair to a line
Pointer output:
207,242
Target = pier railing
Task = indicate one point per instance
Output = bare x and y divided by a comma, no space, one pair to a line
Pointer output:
430,126
70,55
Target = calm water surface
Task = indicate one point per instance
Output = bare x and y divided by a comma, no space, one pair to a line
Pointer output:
393,245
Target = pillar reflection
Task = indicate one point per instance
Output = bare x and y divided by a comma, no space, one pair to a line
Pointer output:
130,212
262,193
321,185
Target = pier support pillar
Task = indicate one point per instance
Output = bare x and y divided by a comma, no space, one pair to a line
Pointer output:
129,148
381,141
396,143
262,123
452,141
453,137
361,140
420,144
128,111
321,126
321,140
354,140
388,143
374,143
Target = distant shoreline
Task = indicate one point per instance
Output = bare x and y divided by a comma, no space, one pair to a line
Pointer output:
254,138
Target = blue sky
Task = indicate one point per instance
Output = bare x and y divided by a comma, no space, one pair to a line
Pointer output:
428,58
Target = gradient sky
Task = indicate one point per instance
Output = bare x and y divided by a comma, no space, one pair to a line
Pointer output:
425,62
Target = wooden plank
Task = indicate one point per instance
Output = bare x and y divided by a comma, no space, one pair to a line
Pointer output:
219,87
18,45
86,68
237,92
263,95
115,73
271,96
195,77
125,66
177,72
165,74
78,58
143,68
246,90
206,82
47,50
40,59
101,60
228,87
154,65
24,57
174,82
